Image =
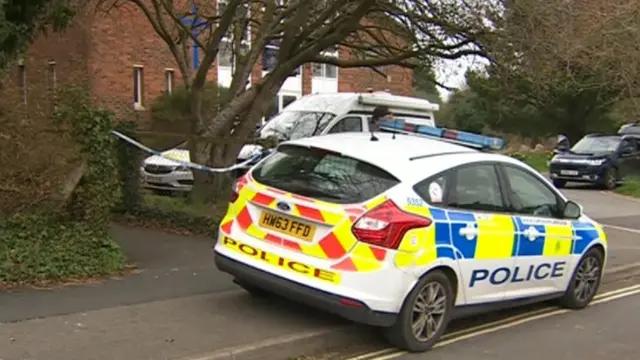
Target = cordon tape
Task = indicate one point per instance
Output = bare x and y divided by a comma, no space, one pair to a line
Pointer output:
187,164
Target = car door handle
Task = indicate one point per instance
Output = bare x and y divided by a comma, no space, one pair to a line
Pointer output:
531,233
469,232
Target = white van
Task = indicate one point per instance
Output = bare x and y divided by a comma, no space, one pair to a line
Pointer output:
311,115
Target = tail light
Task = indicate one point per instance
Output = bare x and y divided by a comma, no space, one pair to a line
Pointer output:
234,194
386,225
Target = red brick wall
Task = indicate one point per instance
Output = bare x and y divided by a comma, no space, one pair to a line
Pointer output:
69,51
121,39
103,51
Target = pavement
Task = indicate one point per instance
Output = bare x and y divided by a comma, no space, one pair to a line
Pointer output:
180,306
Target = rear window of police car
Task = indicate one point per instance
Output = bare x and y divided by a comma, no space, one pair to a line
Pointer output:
323,175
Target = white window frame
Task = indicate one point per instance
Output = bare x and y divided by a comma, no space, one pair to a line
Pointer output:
138,87
53,77
22,77
169,80
323,71
225,41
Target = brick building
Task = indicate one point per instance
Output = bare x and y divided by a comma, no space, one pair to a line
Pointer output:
125,65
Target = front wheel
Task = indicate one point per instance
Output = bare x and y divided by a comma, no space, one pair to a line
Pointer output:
610,180
559,183
425,314
585,281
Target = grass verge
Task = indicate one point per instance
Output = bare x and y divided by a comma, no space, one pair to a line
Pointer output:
631,187
173,214
537,161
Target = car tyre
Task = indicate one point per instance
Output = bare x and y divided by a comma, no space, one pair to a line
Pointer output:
585,281
425,314
252,289
610,180
559,183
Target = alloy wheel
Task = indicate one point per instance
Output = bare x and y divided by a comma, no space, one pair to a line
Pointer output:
586,280
429,311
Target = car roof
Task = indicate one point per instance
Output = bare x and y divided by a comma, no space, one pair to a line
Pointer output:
392,155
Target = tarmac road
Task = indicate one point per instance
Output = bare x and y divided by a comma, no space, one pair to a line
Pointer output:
181,306
602,331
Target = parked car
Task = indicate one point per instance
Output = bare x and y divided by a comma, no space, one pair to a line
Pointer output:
604,160
311,115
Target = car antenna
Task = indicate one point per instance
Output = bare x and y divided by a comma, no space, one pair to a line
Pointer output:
373,137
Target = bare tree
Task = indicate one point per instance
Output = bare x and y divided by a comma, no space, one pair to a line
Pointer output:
374,33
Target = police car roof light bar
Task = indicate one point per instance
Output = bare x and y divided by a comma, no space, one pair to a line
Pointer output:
463,138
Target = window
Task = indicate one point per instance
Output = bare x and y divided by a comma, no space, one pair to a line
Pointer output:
477,188
287,99
324,71
22,80
433,191
348,124
323,175
278,103
226,53
168,80
53,80
592,144
529,195
138,82
627,146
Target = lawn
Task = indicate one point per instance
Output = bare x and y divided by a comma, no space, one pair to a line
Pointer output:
631,187
537,161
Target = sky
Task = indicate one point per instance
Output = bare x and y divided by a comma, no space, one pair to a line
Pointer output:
451,73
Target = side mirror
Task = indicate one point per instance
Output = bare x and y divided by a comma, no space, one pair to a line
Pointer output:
572,210
562,143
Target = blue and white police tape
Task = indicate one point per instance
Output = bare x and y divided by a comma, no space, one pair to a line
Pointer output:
187,164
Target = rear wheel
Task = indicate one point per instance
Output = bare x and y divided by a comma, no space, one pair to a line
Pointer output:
425,314
585,281
559,183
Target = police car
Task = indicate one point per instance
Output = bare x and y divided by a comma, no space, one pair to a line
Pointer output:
407,229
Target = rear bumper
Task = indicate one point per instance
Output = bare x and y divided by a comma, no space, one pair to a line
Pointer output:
322,300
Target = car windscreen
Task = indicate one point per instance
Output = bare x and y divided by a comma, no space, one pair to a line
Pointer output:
290,125
596,144
323,175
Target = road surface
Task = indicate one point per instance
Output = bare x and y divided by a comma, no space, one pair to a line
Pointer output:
603,331
180,306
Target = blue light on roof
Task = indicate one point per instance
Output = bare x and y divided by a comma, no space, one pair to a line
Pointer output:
461,137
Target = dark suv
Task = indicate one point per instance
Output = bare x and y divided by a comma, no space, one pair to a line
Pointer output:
598,159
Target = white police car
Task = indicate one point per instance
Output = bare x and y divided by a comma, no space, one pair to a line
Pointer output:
407,232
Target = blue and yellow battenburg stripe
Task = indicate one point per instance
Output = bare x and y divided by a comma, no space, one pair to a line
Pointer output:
491,237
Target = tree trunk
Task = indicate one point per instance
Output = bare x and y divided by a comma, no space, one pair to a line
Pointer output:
211,187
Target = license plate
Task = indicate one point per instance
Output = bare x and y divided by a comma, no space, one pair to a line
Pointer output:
152,178
286,225
569,172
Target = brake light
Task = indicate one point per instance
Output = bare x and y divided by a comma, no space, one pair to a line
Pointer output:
235,192
234,195
386,225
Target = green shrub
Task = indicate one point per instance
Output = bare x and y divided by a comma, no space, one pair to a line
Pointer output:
70,242
129,159
170,113
42,247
